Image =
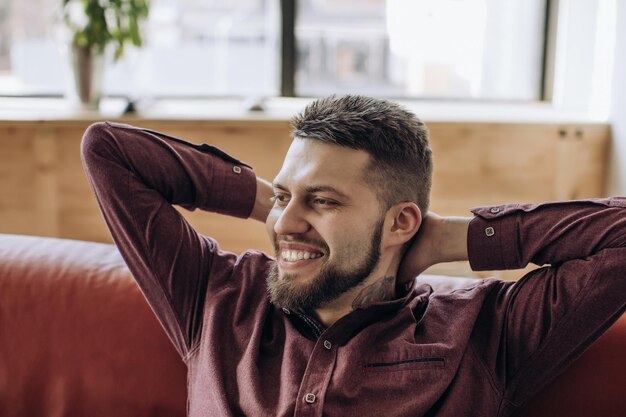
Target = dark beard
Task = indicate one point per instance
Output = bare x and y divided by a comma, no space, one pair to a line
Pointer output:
328,285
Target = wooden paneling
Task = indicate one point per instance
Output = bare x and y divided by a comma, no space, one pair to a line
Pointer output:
18,173
482,164
44,190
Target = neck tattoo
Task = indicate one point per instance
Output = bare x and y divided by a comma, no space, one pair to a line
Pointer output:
381,290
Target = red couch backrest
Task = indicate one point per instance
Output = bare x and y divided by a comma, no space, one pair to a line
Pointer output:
77,337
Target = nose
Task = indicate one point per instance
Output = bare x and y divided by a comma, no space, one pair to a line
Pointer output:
291,220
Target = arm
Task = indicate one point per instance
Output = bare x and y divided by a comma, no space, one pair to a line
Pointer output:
262,202
531,330
550,233
550,236
439,239
137,175
544,321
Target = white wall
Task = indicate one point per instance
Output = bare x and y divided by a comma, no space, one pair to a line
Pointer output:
617,167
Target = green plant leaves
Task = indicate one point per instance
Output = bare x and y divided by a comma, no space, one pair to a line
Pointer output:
121,27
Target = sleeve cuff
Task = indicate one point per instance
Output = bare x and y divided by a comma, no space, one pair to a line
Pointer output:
233,191
234,188
492,239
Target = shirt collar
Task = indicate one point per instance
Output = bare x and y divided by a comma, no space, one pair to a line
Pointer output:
352,323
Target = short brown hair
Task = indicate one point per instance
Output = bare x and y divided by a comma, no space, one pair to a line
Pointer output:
397,141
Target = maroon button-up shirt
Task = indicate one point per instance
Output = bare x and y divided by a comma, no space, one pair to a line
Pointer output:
481,351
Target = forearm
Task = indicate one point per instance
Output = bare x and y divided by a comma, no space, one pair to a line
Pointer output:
192,176
439,239
453,239
262,202
511,236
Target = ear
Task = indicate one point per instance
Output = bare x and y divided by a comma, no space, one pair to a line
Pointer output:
405,220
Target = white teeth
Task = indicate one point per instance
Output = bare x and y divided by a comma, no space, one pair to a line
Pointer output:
294,255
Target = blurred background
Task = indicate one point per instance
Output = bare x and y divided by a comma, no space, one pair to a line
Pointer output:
525,99
460,49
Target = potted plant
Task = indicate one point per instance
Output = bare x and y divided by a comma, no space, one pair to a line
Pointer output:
92,26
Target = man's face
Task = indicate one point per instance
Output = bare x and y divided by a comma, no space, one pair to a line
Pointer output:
326,225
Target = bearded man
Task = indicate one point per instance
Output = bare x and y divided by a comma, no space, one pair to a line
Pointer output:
335,324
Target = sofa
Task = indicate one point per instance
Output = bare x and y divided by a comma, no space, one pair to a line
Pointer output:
78,339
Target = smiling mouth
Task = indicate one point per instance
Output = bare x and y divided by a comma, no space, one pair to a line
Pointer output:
298,255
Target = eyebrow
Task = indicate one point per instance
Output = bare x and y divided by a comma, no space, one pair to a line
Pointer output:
314,189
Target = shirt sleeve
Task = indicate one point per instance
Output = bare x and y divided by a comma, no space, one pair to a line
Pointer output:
550,316
137,175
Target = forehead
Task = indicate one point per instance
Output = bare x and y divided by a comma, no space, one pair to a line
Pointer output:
312,162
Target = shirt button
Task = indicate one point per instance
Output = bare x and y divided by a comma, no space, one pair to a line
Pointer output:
495,210
236,169
309,398
286,310
489,231
327,344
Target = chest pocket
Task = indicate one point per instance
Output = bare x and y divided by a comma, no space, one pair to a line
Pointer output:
390,376
400,364
406,357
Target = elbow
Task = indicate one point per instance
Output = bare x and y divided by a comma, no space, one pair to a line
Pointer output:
93,137
96,142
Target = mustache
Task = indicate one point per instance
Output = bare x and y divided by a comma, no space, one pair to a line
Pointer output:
300,239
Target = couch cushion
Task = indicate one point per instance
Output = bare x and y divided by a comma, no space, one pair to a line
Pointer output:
78,339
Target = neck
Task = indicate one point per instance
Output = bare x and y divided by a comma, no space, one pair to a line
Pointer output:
372,291
383,289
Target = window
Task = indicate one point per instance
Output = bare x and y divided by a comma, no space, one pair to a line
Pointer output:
192,48
469,49
480,49
26,48
212,47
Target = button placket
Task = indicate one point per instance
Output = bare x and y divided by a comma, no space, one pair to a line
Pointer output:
316,379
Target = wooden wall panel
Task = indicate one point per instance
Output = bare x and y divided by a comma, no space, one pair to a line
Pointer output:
18,179
482,164
44,191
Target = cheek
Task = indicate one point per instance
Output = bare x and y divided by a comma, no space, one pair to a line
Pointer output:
345,239
352,239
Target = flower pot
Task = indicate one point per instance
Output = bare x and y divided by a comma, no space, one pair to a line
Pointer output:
85,84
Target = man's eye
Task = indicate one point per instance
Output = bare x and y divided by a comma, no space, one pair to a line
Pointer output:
279,198
324,202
